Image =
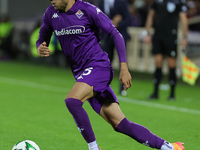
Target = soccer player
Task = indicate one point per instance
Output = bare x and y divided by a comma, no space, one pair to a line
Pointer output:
77,25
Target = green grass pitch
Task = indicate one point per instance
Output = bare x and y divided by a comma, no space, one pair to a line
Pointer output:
32,107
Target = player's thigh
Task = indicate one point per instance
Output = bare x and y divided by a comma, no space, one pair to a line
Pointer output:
170,45
158,58
171,62
156,45
172,53
112,114
81,91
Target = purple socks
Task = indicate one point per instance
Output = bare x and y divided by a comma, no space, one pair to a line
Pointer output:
81,118
135,131
139,133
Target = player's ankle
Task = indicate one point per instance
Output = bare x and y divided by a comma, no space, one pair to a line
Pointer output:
93,146
167,146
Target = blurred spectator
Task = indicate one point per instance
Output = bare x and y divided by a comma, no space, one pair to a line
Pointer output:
6,30
193,11
136,20
139,10
143,10
193,8
117,11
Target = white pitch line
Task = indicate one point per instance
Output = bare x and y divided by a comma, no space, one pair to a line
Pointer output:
161,106
123,99
33,85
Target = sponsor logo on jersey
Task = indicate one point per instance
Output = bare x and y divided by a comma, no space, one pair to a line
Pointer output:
55,15
78,29
79,14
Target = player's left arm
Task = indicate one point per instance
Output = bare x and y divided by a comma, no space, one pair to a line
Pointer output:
124,76
105,24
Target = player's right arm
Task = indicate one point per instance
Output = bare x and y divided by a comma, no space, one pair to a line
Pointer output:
43,50
149,23
184,24
148,26
45,35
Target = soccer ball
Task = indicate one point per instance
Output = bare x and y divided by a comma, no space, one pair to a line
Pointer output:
26,145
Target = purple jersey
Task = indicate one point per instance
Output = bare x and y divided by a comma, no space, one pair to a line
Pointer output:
78,31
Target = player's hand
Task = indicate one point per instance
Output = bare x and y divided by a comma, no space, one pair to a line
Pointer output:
125,76
147,39
184,43
43,50
116,20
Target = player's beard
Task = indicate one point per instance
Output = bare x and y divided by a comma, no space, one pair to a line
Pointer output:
62,9
61,6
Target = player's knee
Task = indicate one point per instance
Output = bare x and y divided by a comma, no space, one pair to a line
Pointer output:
115,124
116,129
73,103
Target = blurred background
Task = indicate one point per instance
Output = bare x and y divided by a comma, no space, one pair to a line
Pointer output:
20,21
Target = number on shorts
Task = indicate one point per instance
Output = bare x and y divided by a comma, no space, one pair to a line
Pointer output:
85,73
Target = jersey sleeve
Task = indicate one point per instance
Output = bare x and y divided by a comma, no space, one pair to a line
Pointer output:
99,19
45,30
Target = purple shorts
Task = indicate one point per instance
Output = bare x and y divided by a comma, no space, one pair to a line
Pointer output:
100,78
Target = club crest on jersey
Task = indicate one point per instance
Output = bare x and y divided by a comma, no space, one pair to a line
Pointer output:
171,7
79,13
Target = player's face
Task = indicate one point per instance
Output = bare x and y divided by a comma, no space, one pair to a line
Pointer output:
59,4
